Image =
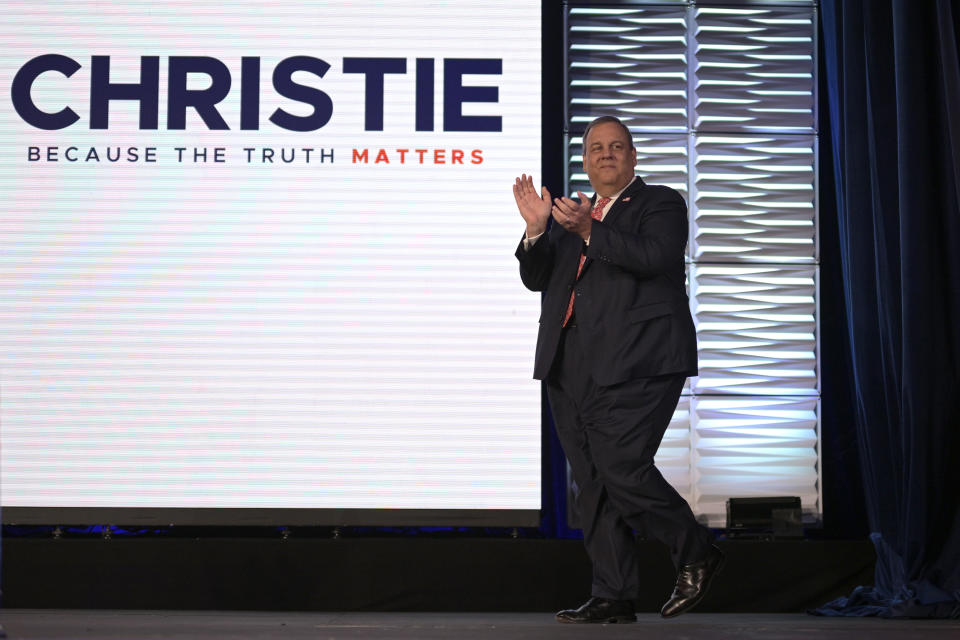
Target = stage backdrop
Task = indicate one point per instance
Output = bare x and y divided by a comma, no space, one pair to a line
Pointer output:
720,100
259,255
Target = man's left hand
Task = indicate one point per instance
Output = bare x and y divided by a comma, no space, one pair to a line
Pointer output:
574,216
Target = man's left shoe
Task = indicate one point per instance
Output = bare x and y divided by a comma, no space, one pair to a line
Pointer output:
692,583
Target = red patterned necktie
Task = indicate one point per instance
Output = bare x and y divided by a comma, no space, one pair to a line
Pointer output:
596,214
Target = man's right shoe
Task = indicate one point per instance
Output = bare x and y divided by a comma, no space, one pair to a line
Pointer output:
600,610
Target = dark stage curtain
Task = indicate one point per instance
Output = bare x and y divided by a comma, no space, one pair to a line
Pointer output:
893,83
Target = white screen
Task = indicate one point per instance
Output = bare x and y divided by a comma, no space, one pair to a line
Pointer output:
242,333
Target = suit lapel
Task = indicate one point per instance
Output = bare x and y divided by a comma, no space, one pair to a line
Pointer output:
623,203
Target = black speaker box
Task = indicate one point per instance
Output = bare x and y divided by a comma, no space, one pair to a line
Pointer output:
780,516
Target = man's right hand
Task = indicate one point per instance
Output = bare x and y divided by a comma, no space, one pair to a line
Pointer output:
534,207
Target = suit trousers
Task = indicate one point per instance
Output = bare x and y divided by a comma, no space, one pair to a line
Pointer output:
610,435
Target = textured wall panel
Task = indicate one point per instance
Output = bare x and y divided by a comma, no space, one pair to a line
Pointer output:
754,69
673,457
753,446
755,329
745,162
631,63
754,198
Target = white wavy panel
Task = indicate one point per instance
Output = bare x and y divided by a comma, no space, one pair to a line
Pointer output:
755,199
673,456
754,446
754,69
661,159
686,282
631,63
755,329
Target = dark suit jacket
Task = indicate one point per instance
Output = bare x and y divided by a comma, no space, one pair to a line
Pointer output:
631,302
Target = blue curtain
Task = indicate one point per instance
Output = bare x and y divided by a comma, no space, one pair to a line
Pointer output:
892,76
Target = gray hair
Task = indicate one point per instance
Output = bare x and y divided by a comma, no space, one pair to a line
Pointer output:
603,120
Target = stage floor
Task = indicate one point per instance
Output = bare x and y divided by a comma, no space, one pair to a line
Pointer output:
51,624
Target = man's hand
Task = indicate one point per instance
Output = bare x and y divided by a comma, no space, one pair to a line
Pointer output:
574,216
533,206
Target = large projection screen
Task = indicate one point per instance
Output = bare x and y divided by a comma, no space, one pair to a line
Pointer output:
257,262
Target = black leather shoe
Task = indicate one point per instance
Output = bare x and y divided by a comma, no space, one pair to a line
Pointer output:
692,583
600,610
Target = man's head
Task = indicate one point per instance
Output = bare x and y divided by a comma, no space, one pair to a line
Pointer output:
609,156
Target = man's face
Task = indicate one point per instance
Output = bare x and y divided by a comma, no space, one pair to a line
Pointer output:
608,158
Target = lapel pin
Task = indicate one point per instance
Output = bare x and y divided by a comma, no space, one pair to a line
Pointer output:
626,199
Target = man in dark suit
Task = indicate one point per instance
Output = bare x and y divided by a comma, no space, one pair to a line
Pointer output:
616,343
